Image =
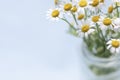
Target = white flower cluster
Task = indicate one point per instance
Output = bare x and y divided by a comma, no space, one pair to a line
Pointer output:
89,17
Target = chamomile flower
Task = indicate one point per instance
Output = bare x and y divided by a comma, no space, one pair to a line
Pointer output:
110,9
95,18
106,23
74,9
69,8
54,14
85,29
94,3
95,6
114,45
81,15
83,4
66,8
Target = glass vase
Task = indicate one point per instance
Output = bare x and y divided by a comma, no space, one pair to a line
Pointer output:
101,68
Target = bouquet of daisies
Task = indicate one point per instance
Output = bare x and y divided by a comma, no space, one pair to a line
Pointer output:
95,22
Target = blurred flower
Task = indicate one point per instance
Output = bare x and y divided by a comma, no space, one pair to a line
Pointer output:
90,16
81,14
83,3
54,14
85,29
106,23
95,18
114,45
110,9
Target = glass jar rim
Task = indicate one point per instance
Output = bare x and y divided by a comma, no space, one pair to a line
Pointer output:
90,56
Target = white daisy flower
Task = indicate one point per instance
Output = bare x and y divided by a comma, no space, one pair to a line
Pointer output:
74,9
66,8
83,4
116,24
54,14
85,29
111,10
96,6
95,18
114,45
80,15
106,23
69,7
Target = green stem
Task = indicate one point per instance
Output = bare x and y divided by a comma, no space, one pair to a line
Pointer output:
74,18
117,10
102,36
69,24
85,14
99,31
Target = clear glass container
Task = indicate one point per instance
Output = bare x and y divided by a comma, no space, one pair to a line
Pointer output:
101,68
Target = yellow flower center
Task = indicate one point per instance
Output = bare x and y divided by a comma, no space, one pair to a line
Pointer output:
83,3
81,16
56,2
110,9
115,43
55,13
85,28
107,21
74,9
67,7
101,1
95,18
95,3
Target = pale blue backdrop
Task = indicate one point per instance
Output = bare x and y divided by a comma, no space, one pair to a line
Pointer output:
31,48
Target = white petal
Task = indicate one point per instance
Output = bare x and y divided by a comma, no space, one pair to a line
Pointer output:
113,39
109,42
113,50
117,50
90,31
109,46
86,35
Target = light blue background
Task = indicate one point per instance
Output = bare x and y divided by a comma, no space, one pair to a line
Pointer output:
32,48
